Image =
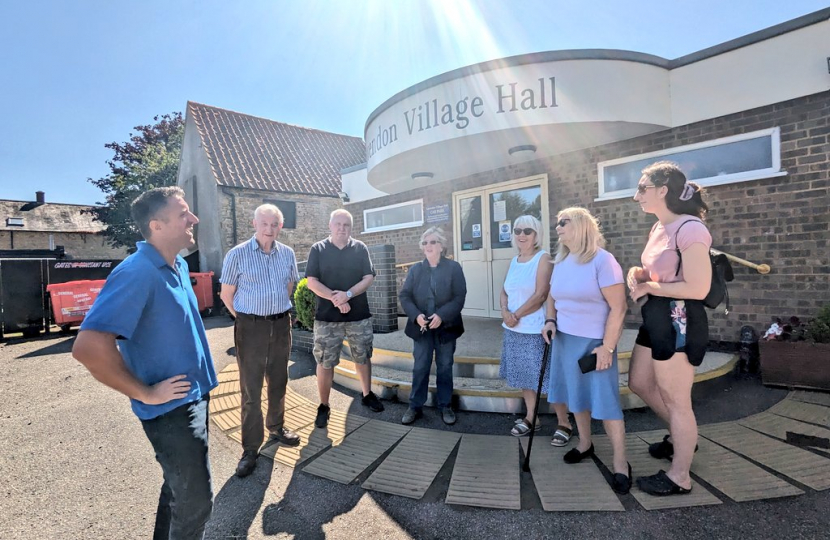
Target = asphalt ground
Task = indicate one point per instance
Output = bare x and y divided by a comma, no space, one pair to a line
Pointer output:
74,463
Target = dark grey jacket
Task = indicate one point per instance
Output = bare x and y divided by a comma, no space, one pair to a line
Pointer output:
450,293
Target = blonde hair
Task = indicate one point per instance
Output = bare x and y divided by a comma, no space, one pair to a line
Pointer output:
588,237
529,222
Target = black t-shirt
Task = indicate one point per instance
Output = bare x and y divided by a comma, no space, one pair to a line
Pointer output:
339,270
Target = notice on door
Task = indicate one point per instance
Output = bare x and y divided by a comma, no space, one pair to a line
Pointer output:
504,231
476,230
499,210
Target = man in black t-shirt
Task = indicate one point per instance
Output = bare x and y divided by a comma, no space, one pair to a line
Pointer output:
339,271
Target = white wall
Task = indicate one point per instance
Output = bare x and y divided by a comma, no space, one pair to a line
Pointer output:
356,185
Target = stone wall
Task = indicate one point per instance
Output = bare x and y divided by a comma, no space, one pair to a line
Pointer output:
77,245
782,221
312,218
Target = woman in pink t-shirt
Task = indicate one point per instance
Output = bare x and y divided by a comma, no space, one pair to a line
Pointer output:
675,277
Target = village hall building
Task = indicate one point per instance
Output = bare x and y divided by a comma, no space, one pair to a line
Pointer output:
473,149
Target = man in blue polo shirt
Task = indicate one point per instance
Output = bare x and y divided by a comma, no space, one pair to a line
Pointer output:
144,338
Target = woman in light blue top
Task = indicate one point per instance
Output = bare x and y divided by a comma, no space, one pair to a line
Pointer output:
585,312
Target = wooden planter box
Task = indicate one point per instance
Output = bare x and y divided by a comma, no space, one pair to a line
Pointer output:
795,364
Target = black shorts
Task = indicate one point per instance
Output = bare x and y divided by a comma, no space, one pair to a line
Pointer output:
659,334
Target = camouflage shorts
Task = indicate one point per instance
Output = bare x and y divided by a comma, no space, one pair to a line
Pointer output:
328,341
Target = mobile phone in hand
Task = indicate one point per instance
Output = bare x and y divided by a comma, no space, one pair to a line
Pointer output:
588,363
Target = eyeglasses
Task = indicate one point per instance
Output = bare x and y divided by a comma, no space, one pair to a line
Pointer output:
562,222
642,188
430,242
527,231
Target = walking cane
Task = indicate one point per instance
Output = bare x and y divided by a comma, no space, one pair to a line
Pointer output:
526,466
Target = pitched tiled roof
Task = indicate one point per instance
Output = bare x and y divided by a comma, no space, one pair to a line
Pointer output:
48,217
254,153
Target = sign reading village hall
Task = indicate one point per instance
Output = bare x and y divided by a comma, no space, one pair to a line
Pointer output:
434,114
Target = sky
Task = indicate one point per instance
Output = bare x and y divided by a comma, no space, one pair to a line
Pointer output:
76,75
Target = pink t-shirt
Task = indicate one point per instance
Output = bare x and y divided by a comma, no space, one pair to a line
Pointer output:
581,309
659,257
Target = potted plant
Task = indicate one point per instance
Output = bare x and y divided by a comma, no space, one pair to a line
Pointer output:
305,305
796,354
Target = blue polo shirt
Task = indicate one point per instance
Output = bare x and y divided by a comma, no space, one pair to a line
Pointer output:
153,311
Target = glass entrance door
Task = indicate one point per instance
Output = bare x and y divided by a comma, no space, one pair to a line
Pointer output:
483,232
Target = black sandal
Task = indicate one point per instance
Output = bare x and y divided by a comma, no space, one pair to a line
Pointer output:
660,485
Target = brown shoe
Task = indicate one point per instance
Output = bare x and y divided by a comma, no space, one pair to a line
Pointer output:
284,436
246,465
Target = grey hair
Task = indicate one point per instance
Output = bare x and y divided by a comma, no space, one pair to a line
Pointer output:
439,233
342,212
529,222
269,209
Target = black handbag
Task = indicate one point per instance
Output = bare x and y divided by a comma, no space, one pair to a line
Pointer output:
721,274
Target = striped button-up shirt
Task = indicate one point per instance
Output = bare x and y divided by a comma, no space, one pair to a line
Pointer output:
261,279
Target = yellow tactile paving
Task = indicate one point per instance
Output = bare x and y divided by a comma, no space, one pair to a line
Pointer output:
801,465
227,376
224,403
225,388
486,473
413,465
229,420
806,412
358,451
816,398
643,464
580,487
779,426
731,474
313,440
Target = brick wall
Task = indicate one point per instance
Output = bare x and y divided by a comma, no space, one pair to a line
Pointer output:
383,294
782,221
77,245
312,218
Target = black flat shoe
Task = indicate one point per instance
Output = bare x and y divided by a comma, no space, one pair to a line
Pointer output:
621,483
663,449
575,456
660,485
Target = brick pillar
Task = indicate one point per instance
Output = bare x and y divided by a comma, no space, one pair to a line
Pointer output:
383,294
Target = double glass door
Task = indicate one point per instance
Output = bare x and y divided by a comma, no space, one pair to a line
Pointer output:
483,232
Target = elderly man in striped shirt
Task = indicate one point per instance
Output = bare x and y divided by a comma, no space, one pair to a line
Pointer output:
258,277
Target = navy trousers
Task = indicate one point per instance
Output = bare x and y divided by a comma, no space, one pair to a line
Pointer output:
180,440
424,349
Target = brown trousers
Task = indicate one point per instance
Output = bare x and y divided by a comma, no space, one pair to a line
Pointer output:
262,351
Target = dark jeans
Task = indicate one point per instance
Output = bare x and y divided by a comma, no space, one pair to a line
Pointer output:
427,345
262,351
180,439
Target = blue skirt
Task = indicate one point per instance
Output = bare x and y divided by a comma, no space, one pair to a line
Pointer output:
595,391
521,360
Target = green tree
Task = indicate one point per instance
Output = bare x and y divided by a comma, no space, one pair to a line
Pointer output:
149,159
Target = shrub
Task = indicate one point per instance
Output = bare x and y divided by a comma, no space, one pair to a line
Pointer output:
818,329
305,303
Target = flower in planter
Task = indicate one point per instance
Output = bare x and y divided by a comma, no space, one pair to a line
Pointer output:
816,330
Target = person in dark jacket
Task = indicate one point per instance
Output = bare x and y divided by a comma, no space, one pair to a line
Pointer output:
433,296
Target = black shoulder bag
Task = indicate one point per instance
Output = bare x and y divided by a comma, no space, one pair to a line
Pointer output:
721,274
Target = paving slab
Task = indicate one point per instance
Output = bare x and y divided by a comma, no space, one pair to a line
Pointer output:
357,452
801,465
731,474
642,464
224,403
782,428
580,487
486,473
413,465
817,398
806,412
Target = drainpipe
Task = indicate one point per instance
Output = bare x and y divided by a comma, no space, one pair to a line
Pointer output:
231,194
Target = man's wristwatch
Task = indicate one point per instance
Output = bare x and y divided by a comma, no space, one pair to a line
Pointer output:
349,293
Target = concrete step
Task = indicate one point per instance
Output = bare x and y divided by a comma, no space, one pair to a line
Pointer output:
492,394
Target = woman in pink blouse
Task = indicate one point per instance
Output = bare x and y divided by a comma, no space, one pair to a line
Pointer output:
675,277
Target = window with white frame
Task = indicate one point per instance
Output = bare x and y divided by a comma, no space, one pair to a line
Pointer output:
395,216
740,158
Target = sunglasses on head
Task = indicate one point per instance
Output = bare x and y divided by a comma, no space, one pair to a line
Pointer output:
642,188
430,242
527,231
562,222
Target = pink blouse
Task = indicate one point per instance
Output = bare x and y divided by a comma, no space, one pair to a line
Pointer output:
659,257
